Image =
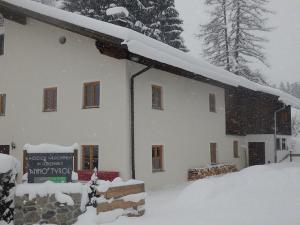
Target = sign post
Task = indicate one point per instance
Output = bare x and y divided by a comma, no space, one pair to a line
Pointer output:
56,167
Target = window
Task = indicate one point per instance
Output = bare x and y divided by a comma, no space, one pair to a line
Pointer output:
278,144
283,144
91,95
1,35
213,153
50,99
1,43
157,97
212,102
157,158
236,149
285,117
90,157
2,104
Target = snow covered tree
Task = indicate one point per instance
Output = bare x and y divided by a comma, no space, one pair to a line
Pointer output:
7,184
164,22
247,19
231,37
215,34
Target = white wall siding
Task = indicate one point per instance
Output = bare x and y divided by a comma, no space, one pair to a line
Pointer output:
34,59
185,127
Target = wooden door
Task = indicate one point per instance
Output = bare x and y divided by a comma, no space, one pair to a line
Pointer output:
4,149
213,153
256,153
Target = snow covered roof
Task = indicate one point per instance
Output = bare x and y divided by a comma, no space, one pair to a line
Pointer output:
144,46
49,148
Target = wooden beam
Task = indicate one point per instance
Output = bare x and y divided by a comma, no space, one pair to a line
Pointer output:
12,15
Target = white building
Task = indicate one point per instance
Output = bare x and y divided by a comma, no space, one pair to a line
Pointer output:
135,105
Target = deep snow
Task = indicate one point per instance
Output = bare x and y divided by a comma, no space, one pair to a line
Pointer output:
260,195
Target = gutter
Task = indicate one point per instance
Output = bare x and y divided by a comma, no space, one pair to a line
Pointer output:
132,118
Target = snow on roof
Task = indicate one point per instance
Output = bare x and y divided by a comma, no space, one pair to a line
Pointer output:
49,148
145,46
117,11
8,163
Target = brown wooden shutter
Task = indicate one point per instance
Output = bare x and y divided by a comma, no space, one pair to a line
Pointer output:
1,44
213,153
236,149
212,102
156,97
2,104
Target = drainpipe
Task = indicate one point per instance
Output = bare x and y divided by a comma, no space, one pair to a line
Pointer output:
132,117
275,131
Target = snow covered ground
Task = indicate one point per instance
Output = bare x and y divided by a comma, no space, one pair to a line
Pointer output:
261,195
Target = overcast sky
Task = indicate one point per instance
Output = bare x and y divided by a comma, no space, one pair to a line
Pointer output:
283,50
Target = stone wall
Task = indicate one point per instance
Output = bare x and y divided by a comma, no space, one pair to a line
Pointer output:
200,173
48,210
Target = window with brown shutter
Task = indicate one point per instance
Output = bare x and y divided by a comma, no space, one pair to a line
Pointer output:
1,44
91,95
157,97
284,117
90,157
1,34
50,99
236,149
2,104
213,153
212,102
157,158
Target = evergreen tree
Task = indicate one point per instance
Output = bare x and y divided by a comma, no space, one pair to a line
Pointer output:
164,23
158,18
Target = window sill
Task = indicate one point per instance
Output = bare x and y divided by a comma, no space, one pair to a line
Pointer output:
50,110
90,107
160,109
158,171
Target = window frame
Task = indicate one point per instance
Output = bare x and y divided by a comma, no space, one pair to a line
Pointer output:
45,106
92,148
211,151
2,104
154,104
236,149
85,95
2,44
212,103
161,159
284,144
278,144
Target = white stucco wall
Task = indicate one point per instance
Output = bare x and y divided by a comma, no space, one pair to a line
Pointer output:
34,59
268,139
185,127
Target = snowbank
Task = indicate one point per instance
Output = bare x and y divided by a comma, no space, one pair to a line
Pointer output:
47,188
145,46
261,195
8,163
49,148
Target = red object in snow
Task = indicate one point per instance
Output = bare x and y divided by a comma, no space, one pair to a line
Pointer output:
84,175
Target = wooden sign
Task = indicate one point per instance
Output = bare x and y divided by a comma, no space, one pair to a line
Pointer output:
56,167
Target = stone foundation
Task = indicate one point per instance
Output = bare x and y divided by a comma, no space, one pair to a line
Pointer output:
48,210
200,173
